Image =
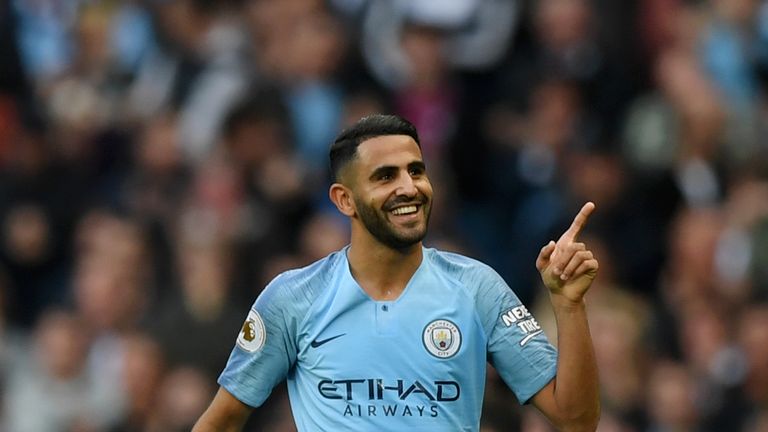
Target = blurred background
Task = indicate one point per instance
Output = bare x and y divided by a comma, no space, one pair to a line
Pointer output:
161,160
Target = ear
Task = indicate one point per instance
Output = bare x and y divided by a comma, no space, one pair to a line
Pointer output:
341,196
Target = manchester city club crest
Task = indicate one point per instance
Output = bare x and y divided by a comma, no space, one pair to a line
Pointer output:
442,338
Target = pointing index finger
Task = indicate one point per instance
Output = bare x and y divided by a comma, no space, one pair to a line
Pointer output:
578,222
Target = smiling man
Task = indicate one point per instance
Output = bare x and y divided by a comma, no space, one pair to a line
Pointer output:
388,335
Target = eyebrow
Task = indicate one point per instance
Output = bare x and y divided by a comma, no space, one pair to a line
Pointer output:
391,169
382,170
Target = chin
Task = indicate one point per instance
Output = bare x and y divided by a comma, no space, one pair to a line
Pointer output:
410,240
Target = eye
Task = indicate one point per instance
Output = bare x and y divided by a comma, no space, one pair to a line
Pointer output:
416,171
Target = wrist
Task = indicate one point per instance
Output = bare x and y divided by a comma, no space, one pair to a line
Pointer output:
561,302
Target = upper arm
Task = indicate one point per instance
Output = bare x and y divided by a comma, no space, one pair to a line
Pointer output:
517,346
544,401
225,414
265,349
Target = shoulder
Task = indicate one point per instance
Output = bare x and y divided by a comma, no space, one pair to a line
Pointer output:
463,269
478,281
301,286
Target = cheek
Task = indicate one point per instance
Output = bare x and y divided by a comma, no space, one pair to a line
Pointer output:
426,188
376,197
368,199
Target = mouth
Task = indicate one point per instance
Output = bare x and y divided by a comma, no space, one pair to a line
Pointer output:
405,210
406,214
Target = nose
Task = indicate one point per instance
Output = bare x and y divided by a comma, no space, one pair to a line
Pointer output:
406,186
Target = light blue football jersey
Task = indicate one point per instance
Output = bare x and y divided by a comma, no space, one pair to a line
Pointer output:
417,363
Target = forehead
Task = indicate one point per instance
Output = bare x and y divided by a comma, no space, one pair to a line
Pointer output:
387,150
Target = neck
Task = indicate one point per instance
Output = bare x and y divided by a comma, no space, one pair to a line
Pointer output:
382,272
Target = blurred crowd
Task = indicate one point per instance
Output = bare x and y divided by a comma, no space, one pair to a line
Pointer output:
161,160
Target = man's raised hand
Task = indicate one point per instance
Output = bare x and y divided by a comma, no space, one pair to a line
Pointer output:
567,267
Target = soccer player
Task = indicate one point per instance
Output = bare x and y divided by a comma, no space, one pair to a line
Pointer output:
388,335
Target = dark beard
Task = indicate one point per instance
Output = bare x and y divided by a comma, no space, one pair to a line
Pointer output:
379,227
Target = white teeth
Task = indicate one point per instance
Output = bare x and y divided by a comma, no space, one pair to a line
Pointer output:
405,210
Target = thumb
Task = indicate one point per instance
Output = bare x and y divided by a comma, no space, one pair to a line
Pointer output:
544,255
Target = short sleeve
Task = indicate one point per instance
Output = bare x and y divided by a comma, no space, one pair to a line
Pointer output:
517,346
265,348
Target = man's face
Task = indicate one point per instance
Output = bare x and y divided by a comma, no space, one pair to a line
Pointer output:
391,191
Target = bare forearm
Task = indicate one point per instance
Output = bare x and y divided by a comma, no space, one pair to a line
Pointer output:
225,414
208,423
576,391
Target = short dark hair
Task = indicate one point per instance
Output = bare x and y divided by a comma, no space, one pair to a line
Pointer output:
344,147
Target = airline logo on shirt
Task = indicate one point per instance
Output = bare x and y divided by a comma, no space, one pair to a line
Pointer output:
252,334
442,338
374,397
519,317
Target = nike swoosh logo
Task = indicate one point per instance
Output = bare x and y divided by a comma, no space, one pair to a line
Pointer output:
529,337
316,343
